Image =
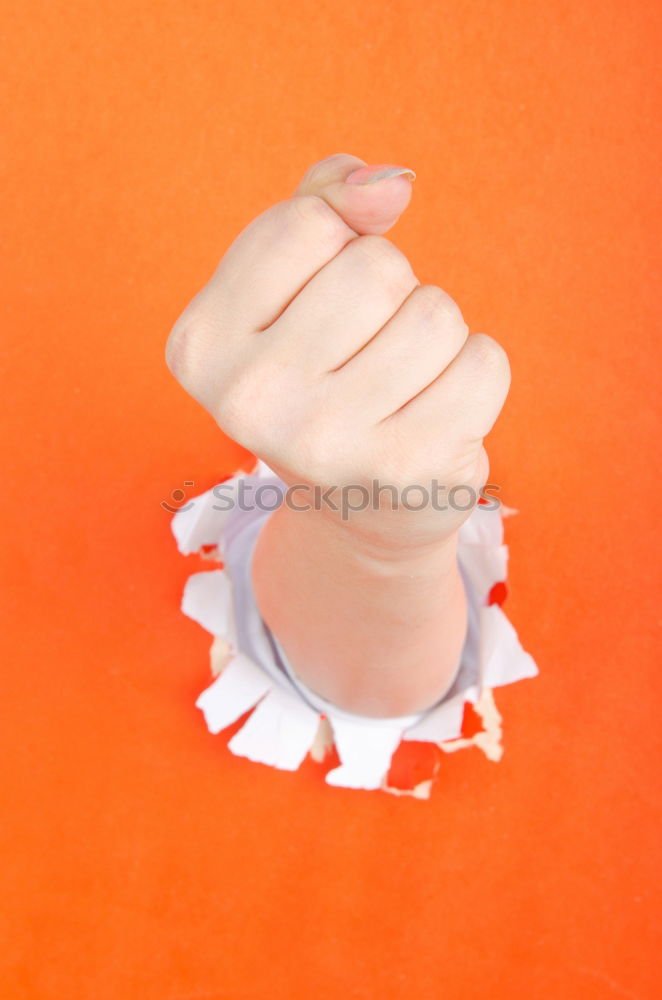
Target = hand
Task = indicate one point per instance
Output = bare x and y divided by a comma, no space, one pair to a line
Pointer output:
315,346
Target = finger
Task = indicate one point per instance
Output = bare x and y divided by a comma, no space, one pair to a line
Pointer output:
269,263
465,400
283,248
272,259
344,305
370,199
407,354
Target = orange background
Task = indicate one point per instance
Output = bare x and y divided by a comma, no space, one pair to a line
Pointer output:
140,859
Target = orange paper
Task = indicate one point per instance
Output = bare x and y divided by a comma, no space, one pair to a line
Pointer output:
140,859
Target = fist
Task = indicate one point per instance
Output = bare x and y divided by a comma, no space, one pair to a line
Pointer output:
315,346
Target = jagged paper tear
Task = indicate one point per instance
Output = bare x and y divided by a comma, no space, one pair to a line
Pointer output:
288,721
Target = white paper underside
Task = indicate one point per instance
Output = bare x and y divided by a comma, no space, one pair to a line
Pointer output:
284,722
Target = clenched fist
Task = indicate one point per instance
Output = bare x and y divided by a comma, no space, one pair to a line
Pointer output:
315,346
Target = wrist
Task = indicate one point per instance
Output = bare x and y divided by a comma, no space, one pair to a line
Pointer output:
379,521
384,549
374,629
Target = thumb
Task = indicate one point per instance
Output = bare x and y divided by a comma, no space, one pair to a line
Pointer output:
370,199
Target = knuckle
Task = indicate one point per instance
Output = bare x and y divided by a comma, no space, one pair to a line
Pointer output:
439,308
178,351
311,212
237,412
390,263
238,404
490,355
321,172
192,344
248,403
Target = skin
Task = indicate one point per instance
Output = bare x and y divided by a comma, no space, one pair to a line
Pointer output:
314,345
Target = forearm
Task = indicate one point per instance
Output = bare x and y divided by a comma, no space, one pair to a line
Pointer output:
377,632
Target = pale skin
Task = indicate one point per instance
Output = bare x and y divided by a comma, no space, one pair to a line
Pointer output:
315,346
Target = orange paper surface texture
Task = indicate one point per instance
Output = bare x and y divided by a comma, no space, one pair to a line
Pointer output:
141,859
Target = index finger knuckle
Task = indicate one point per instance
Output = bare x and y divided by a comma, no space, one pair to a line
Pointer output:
391,264
310,213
